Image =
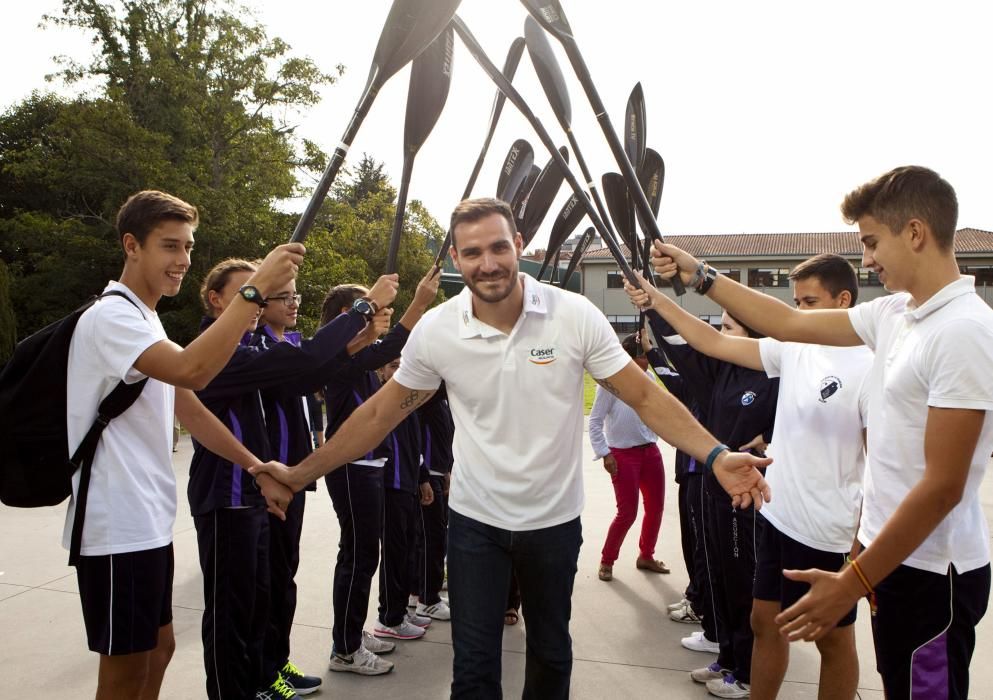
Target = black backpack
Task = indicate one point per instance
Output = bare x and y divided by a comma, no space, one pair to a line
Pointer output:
35,466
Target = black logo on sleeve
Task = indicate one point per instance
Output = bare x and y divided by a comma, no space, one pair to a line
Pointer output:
829,387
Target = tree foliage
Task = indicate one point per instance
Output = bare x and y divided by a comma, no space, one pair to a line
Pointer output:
191,97
8,326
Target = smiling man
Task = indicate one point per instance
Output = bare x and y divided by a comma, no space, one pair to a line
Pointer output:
512,353
926,564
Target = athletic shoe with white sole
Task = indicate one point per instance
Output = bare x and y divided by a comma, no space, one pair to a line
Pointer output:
405,630
676,606
362,662
685,615
438,611
728,687
301,682
415,618
697,642
279,690
377,645
708,673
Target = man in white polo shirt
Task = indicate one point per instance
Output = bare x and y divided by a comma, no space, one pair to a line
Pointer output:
512,354
926,563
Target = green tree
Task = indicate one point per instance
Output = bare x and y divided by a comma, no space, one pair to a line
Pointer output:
8,325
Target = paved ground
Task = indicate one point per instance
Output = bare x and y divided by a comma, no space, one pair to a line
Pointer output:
624,646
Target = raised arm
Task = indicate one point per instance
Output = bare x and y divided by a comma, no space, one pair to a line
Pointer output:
762,312
670,420
701,336
364,429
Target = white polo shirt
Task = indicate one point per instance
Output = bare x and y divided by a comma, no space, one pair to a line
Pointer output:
131,504
517,401
939,354
818,459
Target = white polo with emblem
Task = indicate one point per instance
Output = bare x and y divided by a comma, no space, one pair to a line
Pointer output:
940,355
517,401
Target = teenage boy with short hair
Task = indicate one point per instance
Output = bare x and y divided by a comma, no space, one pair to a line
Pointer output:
126,564
817,476
931,392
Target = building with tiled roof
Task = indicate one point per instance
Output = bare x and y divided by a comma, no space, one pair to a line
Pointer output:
763,261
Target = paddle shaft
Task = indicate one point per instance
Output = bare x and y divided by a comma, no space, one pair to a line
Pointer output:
391,257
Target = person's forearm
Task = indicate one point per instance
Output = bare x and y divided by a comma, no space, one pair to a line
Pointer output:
413,314
668,418
209,352
762,312
701,336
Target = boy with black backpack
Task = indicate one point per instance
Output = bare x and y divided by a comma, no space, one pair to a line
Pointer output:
125,567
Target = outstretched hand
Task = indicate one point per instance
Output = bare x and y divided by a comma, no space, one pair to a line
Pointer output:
427,288
816,613
738,474
275,471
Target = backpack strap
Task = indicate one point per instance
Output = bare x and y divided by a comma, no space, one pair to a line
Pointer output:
120,399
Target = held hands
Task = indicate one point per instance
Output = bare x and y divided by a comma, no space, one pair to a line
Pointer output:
427,494
831,595
277,495
610,464
427,288
738,474
385,290
279,268
267,472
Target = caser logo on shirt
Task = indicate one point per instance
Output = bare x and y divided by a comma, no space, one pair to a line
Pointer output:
542,356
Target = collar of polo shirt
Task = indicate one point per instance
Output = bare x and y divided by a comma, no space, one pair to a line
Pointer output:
472,327
965,284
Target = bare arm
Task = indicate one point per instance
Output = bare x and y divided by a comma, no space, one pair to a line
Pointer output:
762,312
210,432
670,420
364,429
195,365
950,439
701,336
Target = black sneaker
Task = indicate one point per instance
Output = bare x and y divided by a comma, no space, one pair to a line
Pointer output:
301,682
279,690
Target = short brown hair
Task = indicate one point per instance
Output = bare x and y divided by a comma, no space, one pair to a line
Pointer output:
905,193
472,210
835,274
217,278
149,208
338,297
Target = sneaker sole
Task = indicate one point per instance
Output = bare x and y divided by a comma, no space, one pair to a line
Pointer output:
702,650
360,670
704,681
306,691
393,635
686,619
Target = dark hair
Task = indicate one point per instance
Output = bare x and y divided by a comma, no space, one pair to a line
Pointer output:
472,210
337,297
905,193
752,333
217,278
632,345
834,272
149,208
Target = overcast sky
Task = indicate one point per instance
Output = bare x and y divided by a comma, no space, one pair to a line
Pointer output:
766,113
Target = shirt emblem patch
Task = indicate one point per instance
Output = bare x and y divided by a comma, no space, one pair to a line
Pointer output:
829,387
542,356
747,398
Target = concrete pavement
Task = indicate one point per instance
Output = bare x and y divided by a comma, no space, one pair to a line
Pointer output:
624,645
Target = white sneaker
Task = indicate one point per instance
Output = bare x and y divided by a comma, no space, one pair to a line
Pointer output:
405,630
415,618
685,615
363,662
438,611
708,673
697,642
376,645
677,606
728,687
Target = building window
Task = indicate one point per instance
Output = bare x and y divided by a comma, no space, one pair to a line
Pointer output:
623,324
982,273
732,274
716,320
868,278
615,280
767,277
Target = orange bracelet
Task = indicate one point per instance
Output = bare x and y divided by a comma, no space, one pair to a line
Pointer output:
865,584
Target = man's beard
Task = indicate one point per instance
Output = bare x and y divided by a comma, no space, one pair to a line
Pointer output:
493,296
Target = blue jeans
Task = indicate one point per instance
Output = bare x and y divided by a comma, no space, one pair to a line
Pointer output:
480,559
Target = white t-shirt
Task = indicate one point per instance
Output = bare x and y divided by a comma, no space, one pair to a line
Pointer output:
517,401
131,504
939,354
818,458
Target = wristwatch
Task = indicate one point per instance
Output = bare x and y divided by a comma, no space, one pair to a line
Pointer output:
366,307
709,275
250,293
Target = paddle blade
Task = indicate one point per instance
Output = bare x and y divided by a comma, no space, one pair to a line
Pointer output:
540,198
521,196
635,126
651,175
548,71
515,170
410,27
430,78
577,254
565,223
615,191
550,16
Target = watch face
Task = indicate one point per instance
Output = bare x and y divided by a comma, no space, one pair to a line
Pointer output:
250,293
363,307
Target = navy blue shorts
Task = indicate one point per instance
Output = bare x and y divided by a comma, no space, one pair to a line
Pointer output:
126,599
775,552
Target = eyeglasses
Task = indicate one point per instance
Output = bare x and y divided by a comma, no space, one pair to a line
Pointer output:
288,300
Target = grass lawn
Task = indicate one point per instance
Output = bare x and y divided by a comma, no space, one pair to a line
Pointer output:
589,391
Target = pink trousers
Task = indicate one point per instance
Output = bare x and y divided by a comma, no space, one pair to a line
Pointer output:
638,469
